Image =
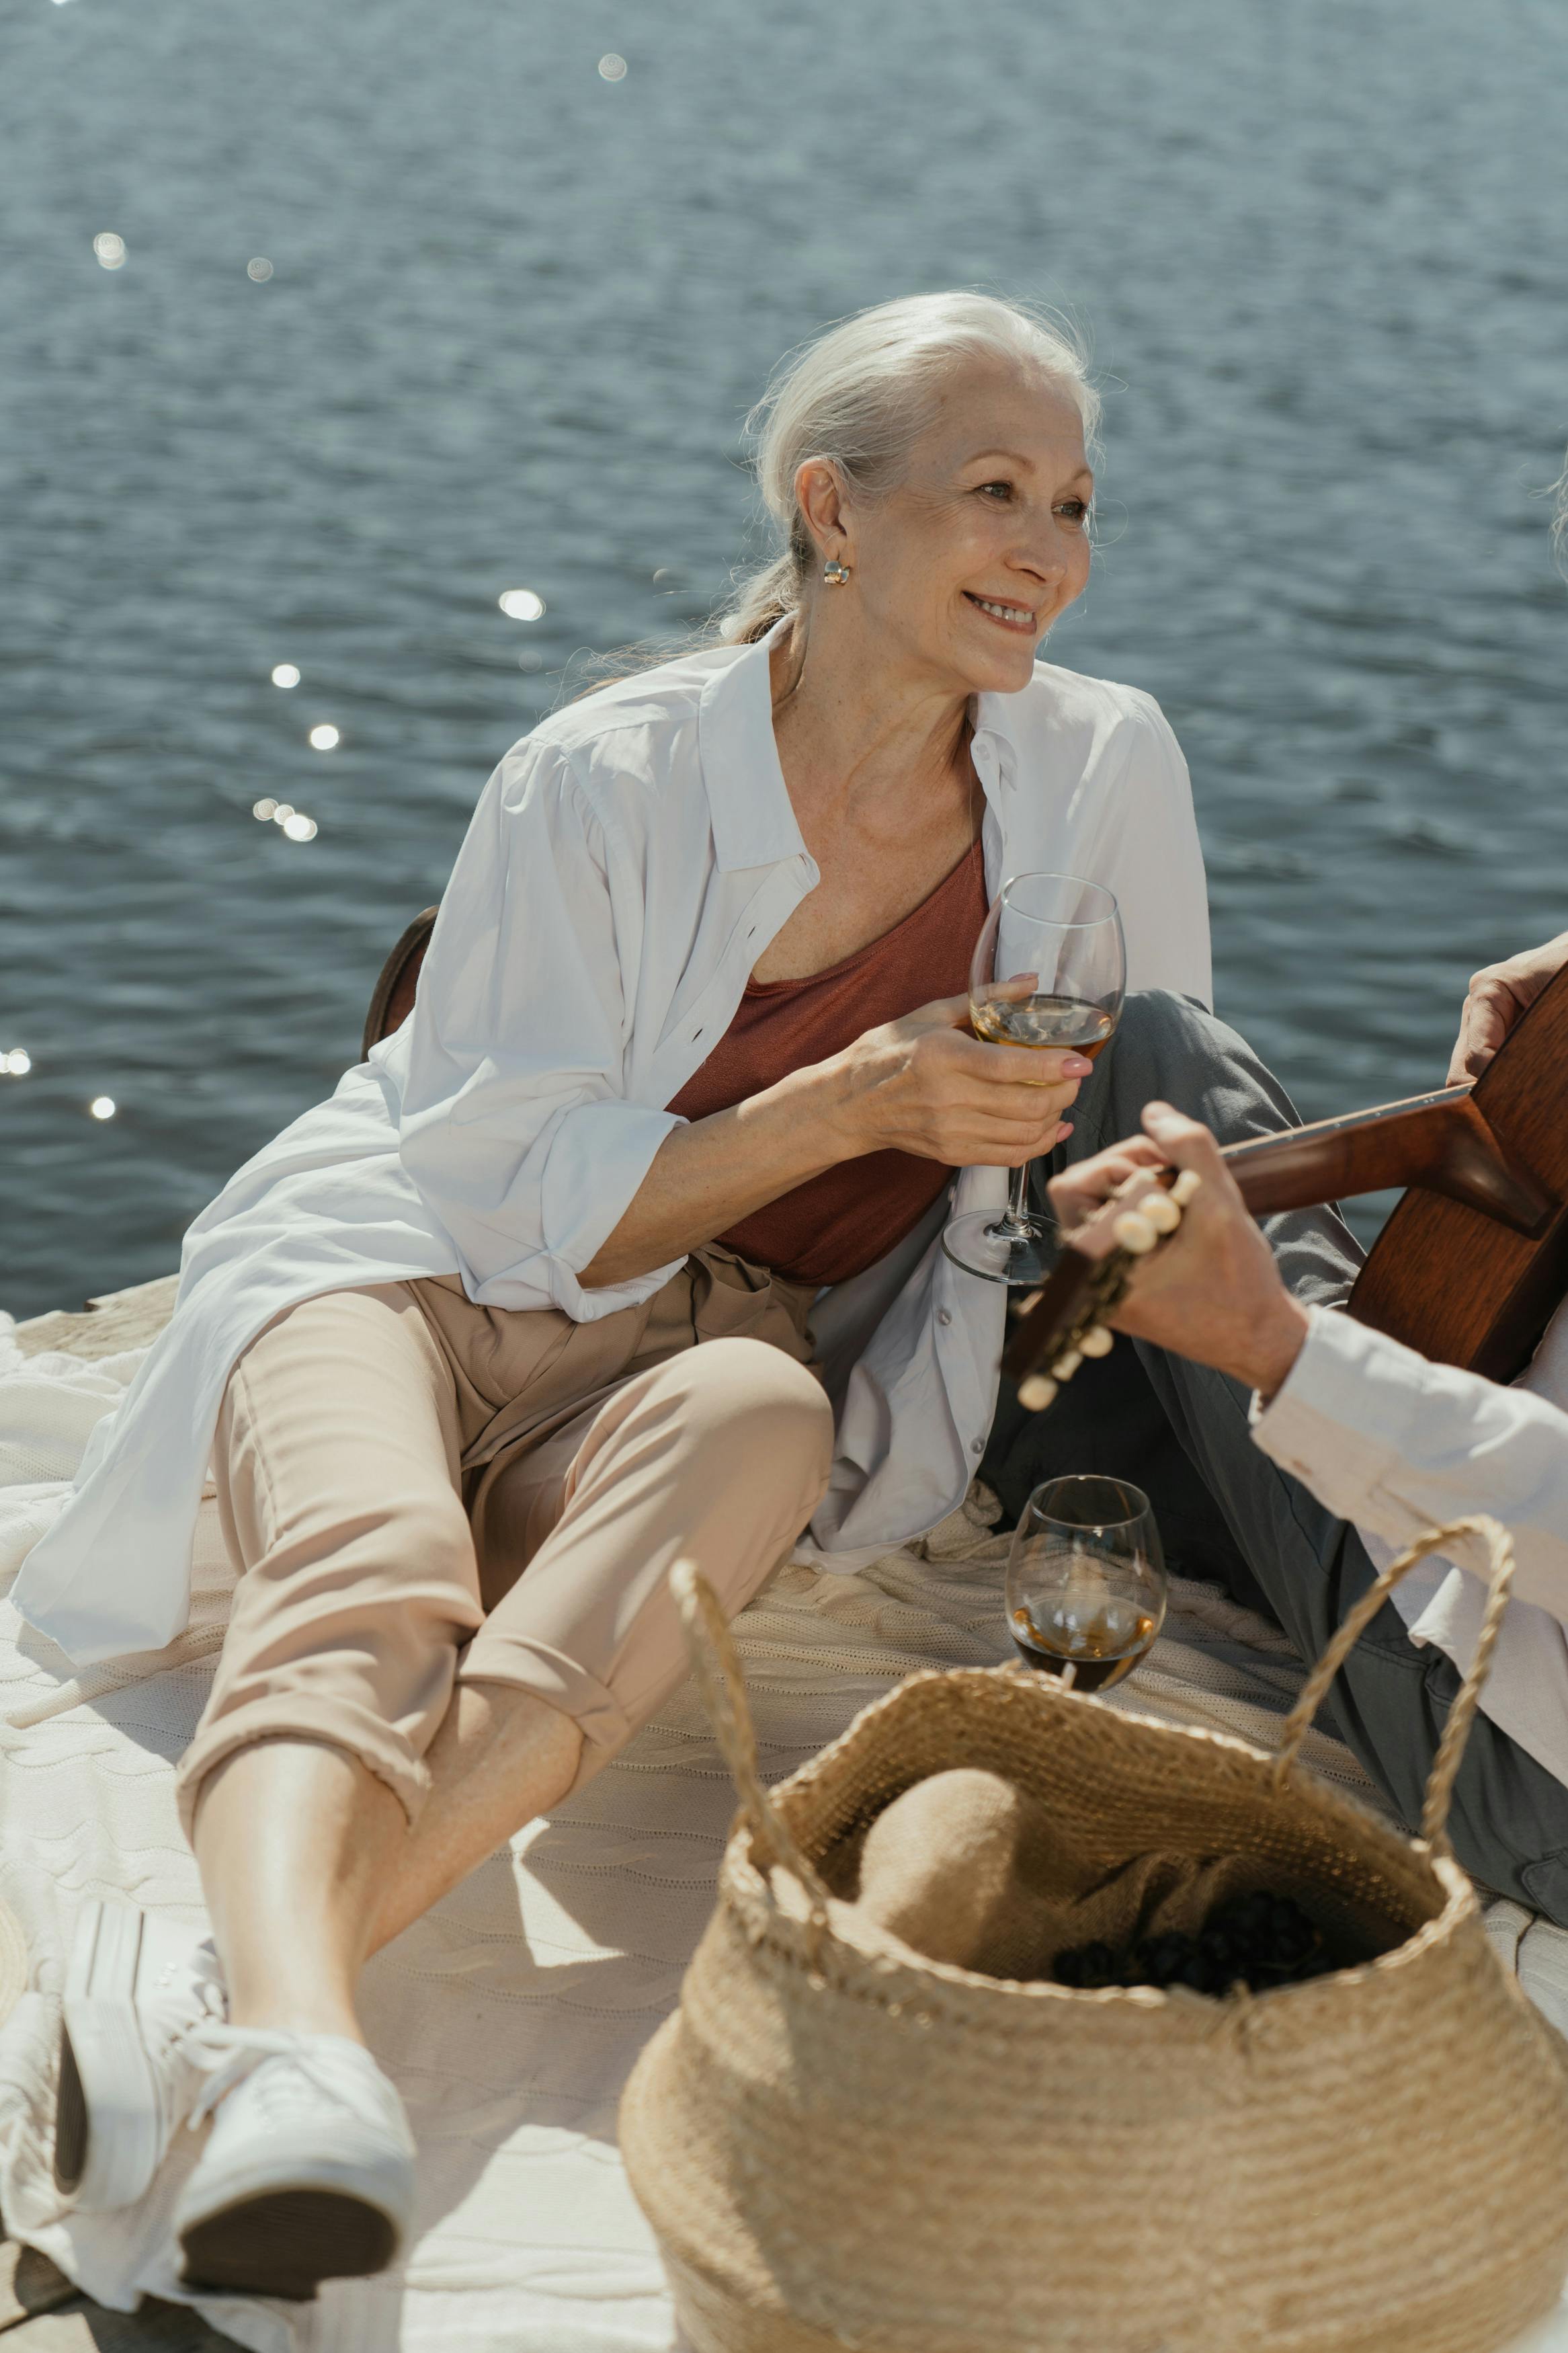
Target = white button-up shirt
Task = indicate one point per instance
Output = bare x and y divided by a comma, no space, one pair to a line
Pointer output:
627,867
1398,1445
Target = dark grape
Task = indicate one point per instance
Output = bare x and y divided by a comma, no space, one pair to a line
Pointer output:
1258,1941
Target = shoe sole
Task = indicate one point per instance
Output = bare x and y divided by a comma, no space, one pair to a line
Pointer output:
285,2243
108,2135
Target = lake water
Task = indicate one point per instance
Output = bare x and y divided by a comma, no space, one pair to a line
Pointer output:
516,313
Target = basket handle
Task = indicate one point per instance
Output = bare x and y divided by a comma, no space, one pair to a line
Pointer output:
723,1684
1461,1716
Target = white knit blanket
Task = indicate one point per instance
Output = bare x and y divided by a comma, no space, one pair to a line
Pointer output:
510,2015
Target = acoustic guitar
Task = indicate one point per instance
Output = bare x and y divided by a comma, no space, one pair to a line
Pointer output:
1473,1262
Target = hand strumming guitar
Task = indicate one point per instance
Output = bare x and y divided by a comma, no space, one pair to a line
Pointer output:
1212,1292
1498,995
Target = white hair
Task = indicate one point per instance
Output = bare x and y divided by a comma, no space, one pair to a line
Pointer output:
862,395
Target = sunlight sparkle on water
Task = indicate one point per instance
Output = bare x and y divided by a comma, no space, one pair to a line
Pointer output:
109,250
265,810
285,674
17,1063
325,738
299,827
521,605
612,67
103,1107
258,267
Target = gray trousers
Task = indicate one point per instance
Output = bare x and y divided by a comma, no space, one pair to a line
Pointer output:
1227,1513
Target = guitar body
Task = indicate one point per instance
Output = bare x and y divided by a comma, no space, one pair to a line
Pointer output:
1464,1288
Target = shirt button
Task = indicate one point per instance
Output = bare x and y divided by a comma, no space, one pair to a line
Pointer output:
977,1446
944,1314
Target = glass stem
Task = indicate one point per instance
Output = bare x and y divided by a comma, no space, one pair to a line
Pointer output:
1016,1218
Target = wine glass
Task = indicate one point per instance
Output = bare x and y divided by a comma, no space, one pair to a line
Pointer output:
1086,1580
1049,969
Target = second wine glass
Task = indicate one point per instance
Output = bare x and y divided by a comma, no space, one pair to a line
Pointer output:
1049,969
1086,1580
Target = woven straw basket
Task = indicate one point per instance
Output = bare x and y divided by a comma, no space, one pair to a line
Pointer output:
840,2143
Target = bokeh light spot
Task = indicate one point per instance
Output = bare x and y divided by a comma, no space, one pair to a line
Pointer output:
17,1063
259,268
522,605
109,250
299,827
103,1107
285,674
281,812
325,738
265,810
612,67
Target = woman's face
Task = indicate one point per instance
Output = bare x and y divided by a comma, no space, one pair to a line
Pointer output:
962,568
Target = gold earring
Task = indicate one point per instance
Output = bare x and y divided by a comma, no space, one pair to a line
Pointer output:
835,574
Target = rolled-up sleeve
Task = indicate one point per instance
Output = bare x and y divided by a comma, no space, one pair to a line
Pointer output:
513,1124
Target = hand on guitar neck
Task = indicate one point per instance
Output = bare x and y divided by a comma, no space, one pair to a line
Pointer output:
1468,1270
1212,1290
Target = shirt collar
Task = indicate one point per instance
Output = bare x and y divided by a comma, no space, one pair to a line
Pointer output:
994,747
748,800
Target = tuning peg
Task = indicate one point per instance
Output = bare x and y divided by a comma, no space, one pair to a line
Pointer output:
1036,1391
1134,1233
1067,1363
1097,1341
1162,1213
1188,1183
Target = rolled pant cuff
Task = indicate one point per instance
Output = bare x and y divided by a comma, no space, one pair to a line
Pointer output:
525,1665
375,1744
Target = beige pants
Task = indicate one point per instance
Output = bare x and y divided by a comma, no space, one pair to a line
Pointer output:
418,1490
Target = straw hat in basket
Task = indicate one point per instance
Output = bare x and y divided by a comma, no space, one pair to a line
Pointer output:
842,2143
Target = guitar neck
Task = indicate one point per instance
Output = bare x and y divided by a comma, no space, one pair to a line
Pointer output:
1441,1142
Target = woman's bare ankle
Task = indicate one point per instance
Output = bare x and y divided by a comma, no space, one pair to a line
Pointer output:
295,2010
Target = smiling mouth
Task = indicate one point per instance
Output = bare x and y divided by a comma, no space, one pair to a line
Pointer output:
1019,618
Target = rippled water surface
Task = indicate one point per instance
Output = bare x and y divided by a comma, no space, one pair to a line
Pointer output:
515,313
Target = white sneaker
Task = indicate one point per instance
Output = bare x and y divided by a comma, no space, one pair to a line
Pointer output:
307,2173
138,1991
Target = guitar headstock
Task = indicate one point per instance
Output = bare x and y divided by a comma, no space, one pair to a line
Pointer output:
1064,1322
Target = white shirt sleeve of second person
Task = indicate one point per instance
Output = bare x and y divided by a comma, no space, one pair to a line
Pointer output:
1399,1445
514,1126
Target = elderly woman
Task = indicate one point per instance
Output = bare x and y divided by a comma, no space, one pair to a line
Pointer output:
624,1250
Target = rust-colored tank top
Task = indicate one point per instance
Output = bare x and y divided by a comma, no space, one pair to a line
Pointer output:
839,1223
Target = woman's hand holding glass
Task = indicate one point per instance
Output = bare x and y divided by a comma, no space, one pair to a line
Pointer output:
924,1085
1049,971
921,1085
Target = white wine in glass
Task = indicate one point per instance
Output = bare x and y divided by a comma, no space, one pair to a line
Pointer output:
1049,970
